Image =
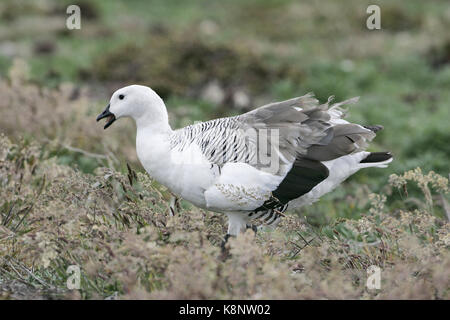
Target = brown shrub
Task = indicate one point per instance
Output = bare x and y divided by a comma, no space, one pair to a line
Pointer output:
121,235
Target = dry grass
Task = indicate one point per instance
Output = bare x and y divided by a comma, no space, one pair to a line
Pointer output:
63,118
116,226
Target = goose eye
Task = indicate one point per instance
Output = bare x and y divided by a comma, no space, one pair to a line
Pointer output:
121,97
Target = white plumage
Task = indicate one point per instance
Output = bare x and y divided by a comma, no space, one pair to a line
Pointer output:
284,155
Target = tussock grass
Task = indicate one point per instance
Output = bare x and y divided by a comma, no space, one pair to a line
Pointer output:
117,228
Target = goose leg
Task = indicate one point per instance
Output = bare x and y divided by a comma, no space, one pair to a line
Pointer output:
253,227
237,223
174,205
227,236
224,242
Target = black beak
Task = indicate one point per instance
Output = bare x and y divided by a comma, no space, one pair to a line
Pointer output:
106,114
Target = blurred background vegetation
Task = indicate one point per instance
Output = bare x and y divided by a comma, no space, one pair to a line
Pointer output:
210,59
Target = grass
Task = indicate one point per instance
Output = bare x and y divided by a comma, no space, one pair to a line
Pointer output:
66,198
118,230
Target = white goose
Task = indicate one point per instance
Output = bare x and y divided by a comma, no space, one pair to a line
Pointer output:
253,166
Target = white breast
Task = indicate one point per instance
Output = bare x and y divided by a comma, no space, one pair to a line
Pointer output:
185,173
192,174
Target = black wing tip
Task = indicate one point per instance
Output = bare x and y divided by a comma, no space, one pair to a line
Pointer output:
374,157
375,128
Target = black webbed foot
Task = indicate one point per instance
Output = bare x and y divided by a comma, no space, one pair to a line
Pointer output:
253,227
224,242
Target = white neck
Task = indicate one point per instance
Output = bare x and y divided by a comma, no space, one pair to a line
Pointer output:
150,126
152,114
153,148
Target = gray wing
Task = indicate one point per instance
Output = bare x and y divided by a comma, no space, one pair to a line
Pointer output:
308,129
304,130
309,133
